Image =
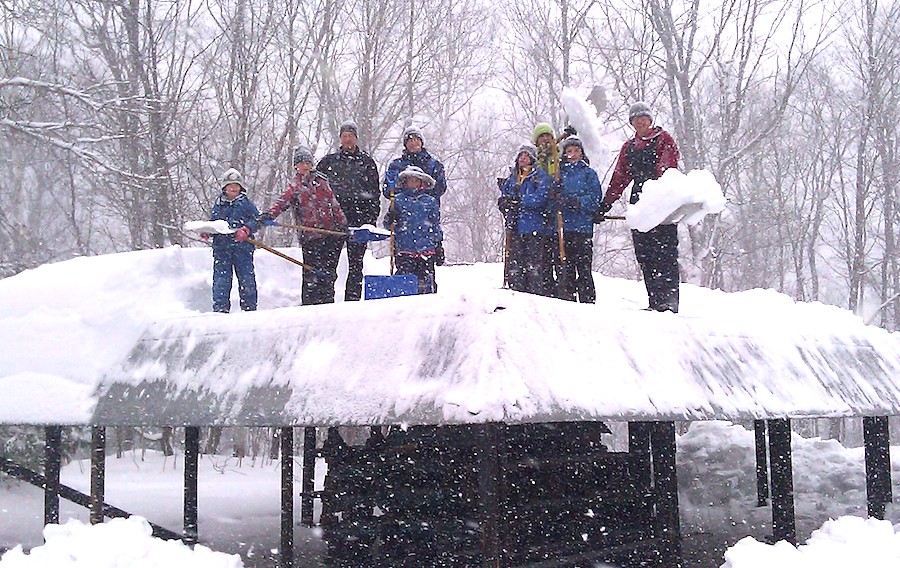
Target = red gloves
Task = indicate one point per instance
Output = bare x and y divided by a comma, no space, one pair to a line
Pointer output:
204,236
242,234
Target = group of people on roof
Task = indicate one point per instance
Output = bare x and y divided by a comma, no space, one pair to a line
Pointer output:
552,198
343,191
550,202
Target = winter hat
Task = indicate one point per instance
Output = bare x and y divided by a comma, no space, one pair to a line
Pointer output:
571,141
541,128
528,149
348,126
231,175
413,131
302,154
639,108
415,171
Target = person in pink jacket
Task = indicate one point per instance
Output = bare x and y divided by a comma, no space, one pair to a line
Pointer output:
313,203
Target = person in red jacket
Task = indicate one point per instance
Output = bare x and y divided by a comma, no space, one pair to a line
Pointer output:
644,157
313,203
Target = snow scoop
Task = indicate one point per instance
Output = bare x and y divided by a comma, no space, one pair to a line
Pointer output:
221,227
362,234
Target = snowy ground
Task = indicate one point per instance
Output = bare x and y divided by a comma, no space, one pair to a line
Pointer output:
108,301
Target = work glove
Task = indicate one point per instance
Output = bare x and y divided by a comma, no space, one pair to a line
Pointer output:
439,257
569,130
204,236
390,218
265,219
570,202
508,204
555,191
242,234
602,210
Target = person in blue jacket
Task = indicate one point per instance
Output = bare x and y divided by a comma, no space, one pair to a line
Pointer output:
415,154
232,253
415,219
524,202
578,198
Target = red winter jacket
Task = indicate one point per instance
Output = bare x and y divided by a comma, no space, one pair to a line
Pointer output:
313,203
667,156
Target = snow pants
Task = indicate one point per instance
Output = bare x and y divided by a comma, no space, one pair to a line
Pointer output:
423,268
579,282
355,254
657,254
322,254
233,258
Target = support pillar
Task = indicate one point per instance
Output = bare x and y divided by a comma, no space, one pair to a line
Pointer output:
666,524
784,526
876,438
98,473
52,465
762,463
191,467
307,501
286,548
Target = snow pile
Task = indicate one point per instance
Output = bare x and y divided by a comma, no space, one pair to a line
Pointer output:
119,543
847,541
676,197
583,117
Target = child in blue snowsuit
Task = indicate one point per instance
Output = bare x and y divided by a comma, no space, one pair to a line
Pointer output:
232,253
416,219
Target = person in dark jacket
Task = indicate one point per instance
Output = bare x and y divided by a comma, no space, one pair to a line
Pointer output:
415,154
313,204
232,253
578,199
524,202
353,177
646,156
415,219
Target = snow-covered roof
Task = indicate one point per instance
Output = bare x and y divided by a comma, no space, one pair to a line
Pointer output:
128,339
494,355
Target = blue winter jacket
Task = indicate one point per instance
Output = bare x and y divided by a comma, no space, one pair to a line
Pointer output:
534,214
423,160
580,181
417,228
238,213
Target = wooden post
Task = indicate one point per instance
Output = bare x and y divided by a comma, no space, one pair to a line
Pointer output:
782,474
52,465
762,463
191,466
309,476
98,473
666,524
639,450
876,438
286,549
490,483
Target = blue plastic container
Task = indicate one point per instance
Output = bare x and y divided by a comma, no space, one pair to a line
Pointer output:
390,286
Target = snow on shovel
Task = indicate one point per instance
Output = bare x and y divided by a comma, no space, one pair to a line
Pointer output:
676,198
362,234
221,227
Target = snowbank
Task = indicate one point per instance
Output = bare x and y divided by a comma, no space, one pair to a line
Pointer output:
119,543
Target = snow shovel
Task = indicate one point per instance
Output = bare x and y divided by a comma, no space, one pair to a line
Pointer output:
222,228
362,234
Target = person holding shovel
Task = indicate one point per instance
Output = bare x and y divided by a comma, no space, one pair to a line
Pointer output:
310,198
232,254
646,156
415,219
523,202
577,199
415,154
353,177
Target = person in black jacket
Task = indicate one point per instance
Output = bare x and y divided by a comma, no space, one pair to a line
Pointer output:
353,177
